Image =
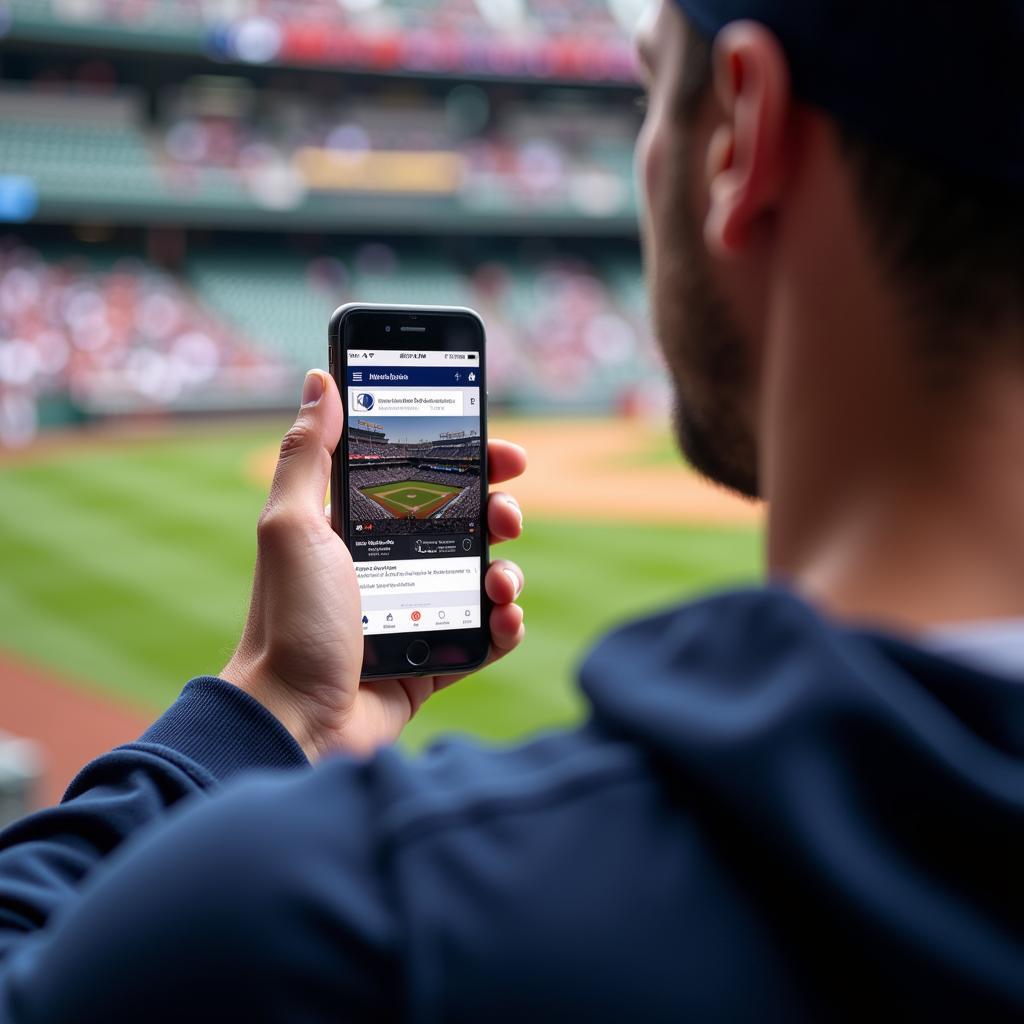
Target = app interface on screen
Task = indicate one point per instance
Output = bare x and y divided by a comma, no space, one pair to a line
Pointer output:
414,464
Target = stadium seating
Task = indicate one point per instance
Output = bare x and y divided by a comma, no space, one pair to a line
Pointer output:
560,330
424,34
278,194
553,159
86,149
122,339
271,300
77,147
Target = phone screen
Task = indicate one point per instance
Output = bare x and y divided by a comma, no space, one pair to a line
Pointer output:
415,487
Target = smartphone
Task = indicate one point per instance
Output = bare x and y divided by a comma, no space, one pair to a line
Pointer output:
409,483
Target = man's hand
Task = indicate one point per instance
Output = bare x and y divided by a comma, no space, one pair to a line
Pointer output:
302,647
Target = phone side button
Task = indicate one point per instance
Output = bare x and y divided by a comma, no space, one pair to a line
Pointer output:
417,653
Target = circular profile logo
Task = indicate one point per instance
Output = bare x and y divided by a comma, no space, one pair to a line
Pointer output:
364,401
416,616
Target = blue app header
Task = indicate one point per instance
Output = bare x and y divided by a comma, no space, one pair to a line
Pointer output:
414,376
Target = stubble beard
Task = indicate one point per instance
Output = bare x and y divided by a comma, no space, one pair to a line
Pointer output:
706,354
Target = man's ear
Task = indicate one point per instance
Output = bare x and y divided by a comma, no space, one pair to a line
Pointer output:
746,157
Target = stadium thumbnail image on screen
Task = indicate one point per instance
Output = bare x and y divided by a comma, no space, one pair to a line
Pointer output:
434,479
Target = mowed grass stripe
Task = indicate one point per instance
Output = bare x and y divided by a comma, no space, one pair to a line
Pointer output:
215,458
83,645
160,606
215,474
160,505
90,584
190,582
124,572
167,629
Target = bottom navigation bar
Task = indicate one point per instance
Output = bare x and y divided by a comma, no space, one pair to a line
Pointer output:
418,620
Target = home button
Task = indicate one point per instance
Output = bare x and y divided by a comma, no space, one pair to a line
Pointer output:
417,653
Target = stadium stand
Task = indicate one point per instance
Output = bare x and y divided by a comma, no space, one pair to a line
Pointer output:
558,330
361,507
576,39
253,194
431,476
450,452
126,338
383,475
466,505
565,156
220,152
77,146
367,449
252,323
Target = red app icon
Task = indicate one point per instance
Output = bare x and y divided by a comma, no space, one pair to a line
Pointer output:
416,616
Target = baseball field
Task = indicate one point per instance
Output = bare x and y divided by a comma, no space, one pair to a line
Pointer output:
411,499
126,564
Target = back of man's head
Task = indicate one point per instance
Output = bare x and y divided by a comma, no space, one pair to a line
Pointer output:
929,100
834,239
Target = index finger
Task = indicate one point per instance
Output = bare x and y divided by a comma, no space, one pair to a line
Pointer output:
505,461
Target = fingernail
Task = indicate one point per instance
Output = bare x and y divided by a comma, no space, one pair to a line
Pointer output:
312,388
515,582
515,505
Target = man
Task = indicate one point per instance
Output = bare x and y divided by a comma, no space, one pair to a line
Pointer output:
804,801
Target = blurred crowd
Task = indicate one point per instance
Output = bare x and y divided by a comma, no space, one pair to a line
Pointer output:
129,337
564,38
558,17
559,156
562,329
254,181
224,138
372,450
125,337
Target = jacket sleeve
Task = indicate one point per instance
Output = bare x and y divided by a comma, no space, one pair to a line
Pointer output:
212,732
273,901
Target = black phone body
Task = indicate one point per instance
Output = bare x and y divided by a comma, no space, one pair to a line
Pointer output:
409,483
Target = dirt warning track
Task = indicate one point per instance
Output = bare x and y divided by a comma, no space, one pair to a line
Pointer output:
70,724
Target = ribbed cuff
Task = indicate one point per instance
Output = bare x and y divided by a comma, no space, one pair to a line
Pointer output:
224,730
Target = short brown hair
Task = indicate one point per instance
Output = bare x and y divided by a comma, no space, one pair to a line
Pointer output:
954,242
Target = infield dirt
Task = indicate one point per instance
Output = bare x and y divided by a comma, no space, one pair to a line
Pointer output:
71,725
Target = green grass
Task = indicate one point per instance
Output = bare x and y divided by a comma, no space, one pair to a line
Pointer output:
128,567
414,494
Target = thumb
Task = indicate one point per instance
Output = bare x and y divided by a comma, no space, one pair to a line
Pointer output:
304,464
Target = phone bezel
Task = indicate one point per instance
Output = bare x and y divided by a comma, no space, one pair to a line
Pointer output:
465,649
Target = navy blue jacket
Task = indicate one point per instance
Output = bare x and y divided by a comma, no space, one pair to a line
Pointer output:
766,816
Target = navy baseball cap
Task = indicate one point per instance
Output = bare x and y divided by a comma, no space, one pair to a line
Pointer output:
940,80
